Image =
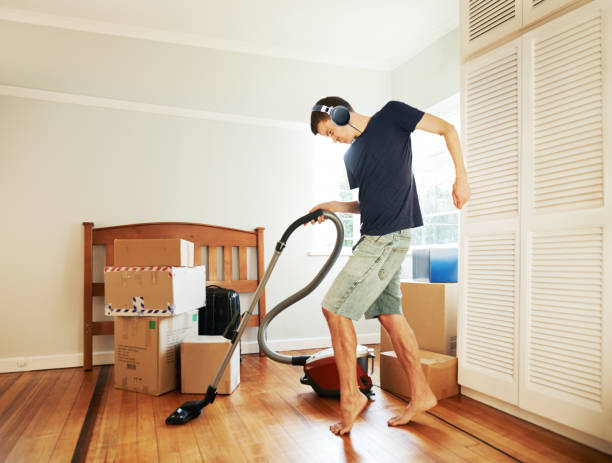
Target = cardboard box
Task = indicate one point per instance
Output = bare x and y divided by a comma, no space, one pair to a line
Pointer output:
148,252
201,357
153,291
440,371
147,351
431,312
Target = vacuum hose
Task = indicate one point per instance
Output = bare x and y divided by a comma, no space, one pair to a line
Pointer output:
263,326
192,409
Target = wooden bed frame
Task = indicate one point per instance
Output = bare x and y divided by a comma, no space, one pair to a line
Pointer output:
201,235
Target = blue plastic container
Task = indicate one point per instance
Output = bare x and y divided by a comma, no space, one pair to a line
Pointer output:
443,263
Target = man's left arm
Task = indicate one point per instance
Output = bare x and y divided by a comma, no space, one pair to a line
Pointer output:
433,124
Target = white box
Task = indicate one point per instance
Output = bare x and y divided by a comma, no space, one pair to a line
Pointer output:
153,291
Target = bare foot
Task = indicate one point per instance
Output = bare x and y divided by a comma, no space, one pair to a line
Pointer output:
414,408
350,408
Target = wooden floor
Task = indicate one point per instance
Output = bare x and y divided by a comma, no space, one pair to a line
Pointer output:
271,417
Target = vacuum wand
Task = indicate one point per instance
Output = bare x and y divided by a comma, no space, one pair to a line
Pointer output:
310,287
192,409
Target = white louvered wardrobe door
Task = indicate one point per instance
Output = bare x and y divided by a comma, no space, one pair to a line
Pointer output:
535,9
566,361
489,269
484,21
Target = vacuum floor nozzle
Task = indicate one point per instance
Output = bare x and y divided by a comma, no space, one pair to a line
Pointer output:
185,413
190,410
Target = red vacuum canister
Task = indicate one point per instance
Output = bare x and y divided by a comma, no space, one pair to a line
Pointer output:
321,373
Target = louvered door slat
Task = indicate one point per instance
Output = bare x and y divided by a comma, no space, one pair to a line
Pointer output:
497,144
556,355
573,103
538,346
563,63
486,183
571,34
491,113
501,144
562,322
580,174
499,116
567,53
496,124
569,66
489,345
483,107
498,84
488,315
489,295
563,88
554,382
489,324
582,332
589,126
486,15
480,164
479,82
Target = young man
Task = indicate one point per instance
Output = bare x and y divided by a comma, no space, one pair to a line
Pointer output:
379,163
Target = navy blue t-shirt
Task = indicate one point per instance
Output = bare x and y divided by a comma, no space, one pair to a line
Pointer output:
379,163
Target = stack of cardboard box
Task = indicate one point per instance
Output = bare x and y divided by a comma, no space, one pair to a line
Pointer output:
431,312
153,291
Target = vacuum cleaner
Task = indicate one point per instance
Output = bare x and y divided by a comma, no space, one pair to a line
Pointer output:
320,370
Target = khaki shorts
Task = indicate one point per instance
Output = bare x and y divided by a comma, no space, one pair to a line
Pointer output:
369,283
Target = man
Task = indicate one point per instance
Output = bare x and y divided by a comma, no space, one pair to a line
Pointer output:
379,163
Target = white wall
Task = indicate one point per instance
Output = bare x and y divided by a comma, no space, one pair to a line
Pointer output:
136,153
65,163
431,76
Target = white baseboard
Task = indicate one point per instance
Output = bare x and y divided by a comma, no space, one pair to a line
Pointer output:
48,362
565,431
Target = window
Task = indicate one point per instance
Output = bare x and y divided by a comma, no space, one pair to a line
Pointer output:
331,184
434,173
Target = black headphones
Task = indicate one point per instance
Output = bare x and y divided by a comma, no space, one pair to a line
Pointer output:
339,114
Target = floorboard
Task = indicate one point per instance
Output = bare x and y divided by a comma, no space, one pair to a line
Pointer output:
270,417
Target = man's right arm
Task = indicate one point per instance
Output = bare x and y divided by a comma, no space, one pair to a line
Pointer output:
337,206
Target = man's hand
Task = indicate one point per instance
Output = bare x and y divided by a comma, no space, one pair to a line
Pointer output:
351,207
331,206
461,191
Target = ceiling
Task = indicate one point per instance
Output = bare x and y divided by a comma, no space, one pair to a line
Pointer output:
379,34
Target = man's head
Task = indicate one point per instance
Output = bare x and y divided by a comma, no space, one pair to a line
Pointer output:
321,123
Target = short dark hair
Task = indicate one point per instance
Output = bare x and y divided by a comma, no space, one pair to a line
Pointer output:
318,116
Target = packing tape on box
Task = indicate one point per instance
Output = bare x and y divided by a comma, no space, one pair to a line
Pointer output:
140,269
138,308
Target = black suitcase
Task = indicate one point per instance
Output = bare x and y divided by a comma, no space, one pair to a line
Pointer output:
222,308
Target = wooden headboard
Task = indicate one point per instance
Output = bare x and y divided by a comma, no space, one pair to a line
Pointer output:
201,235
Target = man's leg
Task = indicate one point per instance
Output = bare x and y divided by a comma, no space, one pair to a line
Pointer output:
344,342
407,351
